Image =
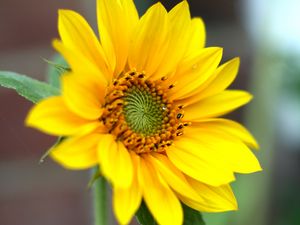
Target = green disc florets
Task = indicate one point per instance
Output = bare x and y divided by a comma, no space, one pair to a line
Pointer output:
144,111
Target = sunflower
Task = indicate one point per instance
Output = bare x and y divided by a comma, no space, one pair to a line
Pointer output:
144,103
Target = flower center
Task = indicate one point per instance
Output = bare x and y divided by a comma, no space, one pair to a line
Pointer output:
139,113
144,110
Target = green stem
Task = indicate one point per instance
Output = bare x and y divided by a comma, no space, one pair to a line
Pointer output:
99,200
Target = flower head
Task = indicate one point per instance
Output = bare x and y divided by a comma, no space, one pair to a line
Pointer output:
144,103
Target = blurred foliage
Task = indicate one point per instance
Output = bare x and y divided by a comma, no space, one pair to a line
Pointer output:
56,66
291,73
289,207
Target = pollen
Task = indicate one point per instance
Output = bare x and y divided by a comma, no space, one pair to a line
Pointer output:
139,113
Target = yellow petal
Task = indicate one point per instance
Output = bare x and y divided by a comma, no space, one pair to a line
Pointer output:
216,105
218,82
197,36
77,35
160,199
229,127
200,163
83,95
115,161
77,152
235,154
106,153
194,71
150,40
53,117
79,63
124,170
216,199
126,201
225,74
180,21
116,20
173,176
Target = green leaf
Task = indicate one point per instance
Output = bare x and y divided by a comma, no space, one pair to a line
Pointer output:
29,88
191,216
46,154
96,174
56,66
143,215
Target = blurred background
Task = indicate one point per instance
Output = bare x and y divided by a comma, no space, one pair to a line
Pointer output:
266,36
